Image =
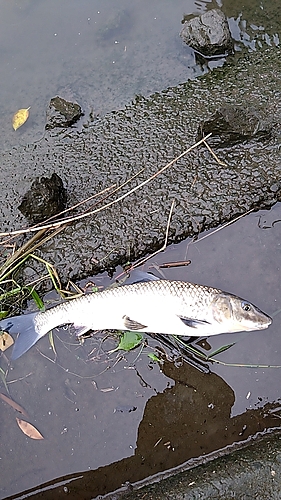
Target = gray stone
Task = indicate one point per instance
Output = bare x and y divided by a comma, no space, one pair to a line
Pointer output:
232,123
208,34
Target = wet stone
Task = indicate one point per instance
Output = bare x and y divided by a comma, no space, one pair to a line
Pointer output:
62,113
208,34
46,198
233,124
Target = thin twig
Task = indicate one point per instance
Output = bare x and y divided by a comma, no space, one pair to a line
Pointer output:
80,203
225,225
214,155
117,200
94,196
13,236
181,263
19,379
62,367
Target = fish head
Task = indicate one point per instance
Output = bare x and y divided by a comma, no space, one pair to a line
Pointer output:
238,315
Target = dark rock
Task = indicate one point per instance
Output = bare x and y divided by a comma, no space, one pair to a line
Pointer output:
231,124
46,198
208,34
62,113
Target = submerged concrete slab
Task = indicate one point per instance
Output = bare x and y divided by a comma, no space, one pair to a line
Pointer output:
145,136
253,472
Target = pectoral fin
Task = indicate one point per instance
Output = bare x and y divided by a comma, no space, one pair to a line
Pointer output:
193,323
130,324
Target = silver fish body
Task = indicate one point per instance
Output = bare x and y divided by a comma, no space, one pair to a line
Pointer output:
162,306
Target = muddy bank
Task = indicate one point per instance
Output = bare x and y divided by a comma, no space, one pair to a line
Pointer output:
147,134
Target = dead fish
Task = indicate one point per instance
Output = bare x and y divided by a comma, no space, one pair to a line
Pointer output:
156,306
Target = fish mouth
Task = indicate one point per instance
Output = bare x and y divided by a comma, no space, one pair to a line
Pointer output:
266,324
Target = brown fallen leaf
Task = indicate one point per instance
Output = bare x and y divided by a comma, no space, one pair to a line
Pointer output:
29,429
13,404
6,340
20,117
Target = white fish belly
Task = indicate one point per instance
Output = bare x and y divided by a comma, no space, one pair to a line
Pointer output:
156,314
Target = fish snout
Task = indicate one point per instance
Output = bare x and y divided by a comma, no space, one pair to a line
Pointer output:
265,321
253,316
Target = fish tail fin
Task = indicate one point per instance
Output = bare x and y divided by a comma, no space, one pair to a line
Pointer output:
27,335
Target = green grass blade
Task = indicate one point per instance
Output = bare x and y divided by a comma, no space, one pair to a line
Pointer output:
220,349
3,314
38,301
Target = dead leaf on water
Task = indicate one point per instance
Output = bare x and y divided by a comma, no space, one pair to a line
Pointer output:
13,404
6,340
29,429
20,117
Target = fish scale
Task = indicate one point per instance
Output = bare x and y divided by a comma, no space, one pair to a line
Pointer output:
154,306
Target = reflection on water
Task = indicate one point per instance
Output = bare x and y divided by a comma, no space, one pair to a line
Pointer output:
191,419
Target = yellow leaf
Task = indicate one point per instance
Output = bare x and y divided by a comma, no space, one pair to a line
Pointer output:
5,341
29,429
20,117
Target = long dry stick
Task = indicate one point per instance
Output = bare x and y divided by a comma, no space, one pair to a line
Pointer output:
81,203
117,200
110,188
13,236
106,190
30,246
142,261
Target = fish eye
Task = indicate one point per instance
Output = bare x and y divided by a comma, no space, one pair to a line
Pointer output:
246,306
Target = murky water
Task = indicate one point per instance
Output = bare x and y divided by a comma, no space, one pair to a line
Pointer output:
111,418
123,417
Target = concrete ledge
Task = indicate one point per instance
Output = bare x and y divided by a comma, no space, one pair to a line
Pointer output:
252,472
